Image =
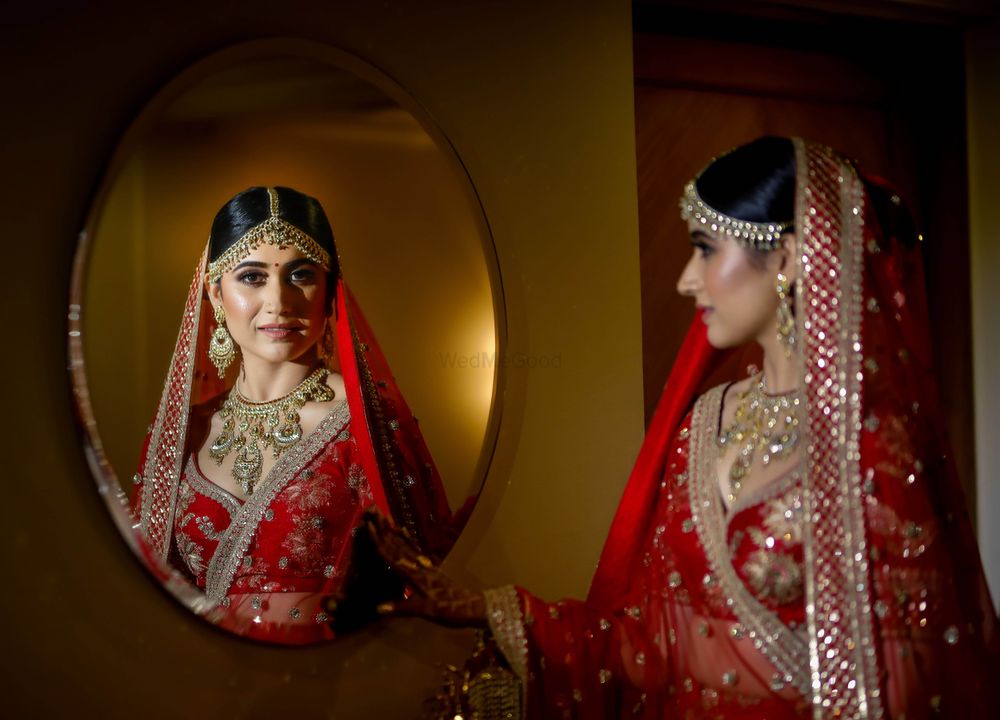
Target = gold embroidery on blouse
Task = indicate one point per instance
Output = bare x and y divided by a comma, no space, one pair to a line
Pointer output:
774,575
771,571
191,553
786,649
236,540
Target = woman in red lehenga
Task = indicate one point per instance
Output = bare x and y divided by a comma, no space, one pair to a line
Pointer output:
256,471
791,545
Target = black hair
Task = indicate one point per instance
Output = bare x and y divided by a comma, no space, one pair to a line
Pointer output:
253,206
754,182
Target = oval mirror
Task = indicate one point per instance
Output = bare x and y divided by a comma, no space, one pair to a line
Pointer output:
415,249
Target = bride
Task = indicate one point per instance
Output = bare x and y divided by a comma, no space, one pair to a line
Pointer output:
792,544
278,425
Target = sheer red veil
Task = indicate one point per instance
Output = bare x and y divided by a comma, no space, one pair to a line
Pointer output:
894,583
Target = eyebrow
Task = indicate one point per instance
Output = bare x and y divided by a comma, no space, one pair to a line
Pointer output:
291,265
700,235
250,263
299,262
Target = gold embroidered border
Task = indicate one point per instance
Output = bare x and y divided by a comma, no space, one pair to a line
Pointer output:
236,539
842,654
783,647
203,485
165,452
383,443
506,620
862,615
757,496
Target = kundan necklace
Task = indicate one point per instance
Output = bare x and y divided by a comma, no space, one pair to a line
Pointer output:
251,427
762,423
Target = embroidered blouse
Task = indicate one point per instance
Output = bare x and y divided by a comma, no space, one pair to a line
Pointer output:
715,617
271,558
714,622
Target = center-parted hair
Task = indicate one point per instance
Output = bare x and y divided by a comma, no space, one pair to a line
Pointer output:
253,206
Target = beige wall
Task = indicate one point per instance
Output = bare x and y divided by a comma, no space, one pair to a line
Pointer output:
983,83
537,99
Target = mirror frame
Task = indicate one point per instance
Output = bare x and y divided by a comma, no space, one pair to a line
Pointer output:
105,476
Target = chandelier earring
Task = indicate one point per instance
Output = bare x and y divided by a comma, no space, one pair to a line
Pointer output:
221,349
786,319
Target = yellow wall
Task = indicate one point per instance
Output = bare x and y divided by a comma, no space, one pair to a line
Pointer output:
537,99
983,83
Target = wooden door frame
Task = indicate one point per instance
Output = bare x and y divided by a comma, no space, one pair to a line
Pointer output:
914,54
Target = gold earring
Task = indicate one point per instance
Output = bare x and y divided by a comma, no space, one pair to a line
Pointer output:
786,320
221,349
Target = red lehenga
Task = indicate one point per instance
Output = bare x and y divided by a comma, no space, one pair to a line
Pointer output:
850,588
261,567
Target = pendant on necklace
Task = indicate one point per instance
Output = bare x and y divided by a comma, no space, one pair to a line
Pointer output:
250,427
763,423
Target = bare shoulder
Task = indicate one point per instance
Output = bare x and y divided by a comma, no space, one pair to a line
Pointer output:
335,381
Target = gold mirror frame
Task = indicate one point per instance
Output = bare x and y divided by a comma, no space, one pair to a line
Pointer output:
106,478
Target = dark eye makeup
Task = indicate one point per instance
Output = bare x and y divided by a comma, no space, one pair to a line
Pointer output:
703,246
251,277
303,275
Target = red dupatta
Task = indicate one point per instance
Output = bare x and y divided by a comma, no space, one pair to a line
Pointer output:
894,583
406,483
628,529
397,464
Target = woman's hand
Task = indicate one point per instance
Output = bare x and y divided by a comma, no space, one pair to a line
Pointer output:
428,592
432,594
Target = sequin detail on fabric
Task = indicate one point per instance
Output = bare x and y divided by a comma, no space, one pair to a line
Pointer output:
236,540
506,620
839,610
165,459
783,647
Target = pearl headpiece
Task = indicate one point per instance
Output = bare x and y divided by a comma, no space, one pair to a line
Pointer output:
759,236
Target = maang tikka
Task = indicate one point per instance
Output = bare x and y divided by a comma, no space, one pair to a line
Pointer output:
786,319
221,350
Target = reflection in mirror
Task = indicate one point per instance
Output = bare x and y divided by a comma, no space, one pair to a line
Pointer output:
251,438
